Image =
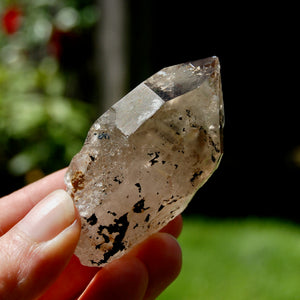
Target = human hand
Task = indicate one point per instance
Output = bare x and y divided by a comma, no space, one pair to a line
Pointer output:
38,235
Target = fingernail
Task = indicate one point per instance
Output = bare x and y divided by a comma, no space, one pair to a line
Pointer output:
49,217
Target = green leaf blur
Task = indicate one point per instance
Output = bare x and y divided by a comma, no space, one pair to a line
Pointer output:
42,123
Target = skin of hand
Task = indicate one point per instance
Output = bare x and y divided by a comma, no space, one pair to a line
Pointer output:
39,230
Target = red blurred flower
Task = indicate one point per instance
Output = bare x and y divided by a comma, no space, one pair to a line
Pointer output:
11,19
55,43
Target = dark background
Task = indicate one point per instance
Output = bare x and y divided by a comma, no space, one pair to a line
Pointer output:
258,51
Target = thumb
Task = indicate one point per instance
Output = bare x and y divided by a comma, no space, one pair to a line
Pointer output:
35,250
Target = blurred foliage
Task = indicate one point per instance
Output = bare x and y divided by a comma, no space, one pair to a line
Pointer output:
41,126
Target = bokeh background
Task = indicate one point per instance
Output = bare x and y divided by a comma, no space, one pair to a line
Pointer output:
64,62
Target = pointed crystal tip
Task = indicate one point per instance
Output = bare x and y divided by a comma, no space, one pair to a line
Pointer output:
211,63
177,80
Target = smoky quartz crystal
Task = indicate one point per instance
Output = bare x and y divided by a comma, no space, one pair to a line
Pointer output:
144,159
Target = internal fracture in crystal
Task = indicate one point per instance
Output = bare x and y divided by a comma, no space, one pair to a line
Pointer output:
144,159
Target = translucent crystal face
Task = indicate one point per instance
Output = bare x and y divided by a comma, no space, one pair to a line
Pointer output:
144,159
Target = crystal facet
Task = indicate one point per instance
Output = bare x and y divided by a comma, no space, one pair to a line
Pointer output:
144,159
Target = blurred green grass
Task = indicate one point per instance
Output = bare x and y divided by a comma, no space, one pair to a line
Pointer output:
238,259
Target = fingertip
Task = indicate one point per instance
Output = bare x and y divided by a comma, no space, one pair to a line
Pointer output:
125,278
49,217
162,256
174,227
